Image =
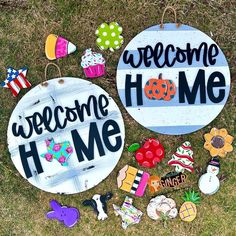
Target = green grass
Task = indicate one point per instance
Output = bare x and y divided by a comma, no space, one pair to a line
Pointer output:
24,26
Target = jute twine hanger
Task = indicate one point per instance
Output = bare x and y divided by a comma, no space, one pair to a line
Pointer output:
44,82
163,15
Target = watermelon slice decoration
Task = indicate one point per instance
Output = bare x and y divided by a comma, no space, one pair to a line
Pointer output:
151,153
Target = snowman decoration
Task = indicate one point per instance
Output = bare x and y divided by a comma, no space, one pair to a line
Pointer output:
209,183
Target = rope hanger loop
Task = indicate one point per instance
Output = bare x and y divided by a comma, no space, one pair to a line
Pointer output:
163,15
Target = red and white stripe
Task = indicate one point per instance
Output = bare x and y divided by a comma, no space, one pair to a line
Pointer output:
18,83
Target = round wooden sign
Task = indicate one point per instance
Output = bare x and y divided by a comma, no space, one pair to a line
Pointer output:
66,137
173,80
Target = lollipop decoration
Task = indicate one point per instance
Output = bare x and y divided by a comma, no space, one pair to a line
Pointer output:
109,36
58,47
93,64
129,214
183,158
69,216
151,153
218,142
188,211
162,207
209,183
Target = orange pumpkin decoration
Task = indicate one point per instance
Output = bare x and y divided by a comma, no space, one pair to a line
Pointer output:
160,89
148,88
171,90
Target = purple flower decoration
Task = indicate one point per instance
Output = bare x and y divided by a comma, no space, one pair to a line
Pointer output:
48,156
48,142
56,147
69,150
62,159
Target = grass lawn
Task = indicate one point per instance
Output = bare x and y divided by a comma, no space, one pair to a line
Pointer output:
24,26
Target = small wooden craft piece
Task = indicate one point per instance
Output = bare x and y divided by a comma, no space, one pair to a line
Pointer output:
58,47
162,207
151,153
129,214
218,142
188,210
160,89
99,204
182,159
93,64
132,180
69,216
16,80
170,180
59,151
109,36
209,183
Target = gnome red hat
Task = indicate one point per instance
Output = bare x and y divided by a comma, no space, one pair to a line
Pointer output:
183,158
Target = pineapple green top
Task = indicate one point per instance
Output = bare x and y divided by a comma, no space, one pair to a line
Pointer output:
191,196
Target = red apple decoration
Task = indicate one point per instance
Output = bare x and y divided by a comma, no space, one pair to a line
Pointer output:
151,153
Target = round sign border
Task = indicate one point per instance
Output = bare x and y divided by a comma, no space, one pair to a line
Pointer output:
58,81
159,28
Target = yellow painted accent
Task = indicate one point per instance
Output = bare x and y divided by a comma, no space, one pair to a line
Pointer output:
188,211
50,46
129,180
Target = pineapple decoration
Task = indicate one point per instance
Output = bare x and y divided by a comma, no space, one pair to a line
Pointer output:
188,210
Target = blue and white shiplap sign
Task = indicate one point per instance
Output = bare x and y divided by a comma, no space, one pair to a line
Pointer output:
66,137
173,80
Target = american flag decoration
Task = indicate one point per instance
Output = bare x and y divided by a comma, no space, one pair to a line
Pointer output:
16,80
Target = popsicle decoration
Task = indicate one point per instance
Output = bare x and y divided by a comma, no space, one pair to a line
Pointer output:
58,47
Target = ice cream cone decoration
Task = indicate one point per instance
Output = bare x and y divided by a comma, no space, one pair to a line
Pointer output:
58,47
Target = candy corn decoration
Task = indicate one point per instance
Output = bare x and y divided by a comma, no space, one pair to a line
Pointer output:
58,47
183,158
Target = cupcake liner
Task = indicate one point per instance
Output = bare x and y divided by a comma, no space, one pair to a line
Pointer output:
95,71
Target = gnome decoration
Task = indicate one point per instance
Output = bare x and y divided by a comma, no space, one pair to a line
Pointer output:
209,183
183,158
58,47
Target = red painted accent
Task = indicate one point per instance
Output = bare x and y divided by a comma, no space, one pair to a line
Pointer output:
12,90
27,83
151,153
181,164
184,156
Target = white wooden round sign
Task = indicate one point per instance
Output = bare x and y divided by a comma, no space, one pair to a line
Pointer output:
66,138
174,80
